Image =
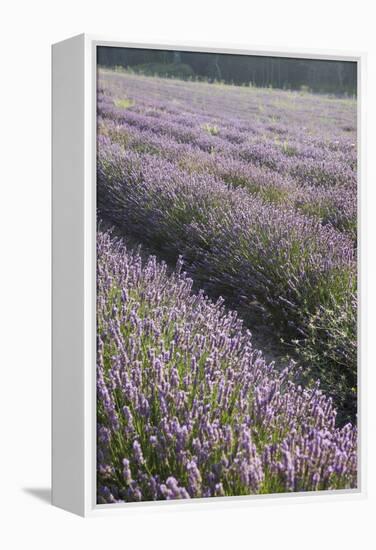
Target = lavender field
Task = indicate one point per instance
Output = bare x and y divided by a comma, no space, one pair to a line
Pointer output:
227,222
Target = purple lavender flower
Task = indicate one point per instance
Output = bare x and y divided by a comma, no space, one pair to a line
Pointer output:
220,420
255,198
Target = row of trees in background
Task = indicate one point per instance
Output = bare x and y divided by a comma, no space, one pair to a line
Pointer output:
336,77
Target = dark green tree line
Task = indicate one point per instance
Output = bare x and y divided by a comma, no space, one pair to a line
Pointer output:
337,77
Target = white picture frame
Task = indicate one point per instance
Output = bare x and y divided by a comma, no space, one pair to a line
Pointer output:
73,275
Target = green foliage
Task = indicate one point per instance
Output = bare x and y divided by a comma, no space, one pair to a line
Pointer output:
124,103
168,70
212,129
329,356
288,149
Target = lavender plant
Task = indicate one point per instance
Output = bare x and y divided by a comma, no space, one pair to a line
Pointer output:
246,250
254,193
328,204
188,408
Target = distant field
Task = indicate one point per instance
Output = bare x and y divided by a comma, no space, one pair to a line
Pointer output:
254,193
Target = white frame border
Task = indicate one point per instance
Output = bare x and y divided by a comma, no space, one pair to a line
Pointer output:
88,505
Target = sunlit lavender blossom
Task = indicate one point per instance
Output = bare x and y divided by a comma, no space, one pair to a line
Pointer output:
199,412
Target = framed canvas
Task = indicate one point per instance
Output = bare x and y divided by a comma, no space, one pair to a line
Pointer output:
207,291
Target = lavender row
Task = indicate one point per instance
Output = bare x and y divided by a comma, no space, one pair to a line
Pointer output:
292,141
324,170
302,274
304,118
335,205
285,142
187,408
